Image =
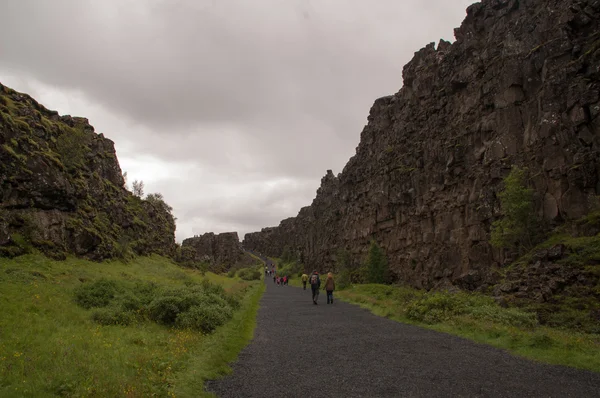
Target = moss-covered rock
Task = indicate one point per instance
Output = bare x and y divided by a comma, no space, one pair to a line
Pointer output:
62,190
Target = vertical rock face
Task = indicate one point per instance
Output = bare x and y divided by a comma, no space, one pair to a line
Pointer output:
519,86
62,191
221,251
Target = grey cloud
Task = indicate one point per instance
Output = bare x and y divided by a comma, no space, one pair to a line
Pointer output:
245,90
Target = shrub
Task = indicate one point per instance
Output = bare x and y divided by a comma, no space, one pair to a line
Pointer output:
165,309
231,273
377,266
249,274
519,226
96,294
201,306
434,308
287,256
113,316
205,318
343,280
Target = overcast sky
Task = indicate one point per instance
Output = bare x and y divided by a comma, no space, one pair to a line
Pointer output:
232,109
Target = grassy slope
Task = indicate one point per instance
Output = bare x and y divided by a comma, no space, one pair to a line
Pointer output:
538,343
50,347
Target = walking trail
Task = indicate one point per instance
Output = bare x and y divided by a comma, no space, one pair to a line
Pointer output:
341,350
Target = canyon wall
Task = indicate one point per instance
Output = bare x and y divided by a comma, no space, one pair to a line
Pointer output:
62,191
222,251
519,86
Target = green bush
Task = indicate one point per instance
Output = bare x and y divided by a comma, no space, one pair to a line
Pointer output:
113,316
343,280
96,294
205,318
435,308
231,273
439,307
165,309
249,274
290,269
201,306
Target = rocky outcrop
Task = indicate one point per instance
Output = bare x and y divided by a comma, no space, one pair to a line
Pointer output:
221,251
62,191
519,86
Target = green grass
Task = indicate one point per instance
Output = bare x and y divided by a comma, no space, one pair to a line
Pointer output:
50,346
219,349
477,318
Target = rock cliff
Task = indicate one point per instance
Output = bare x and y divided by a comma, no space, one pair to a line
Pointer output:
62,191
519,86
221,251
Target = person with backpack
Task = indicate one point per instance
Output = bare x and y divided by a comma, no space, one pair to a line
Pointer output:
315,285
304,280
329,288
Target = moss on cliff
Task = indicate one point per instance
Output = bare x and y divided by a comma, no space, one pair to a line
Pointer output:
65,179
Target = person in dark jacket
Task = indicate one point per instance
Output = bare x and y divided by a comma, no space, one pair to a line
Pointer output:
329,288
315,285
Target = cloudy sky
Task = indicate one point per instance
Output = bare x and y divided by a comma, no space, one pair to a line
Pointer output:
232,109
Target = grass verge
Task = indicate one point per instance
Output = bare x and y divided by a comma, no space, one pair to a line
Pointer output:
51,346
479,319
221,348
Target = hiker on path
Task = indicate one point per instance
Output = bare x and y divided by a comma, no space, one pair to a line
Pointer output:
274,278
329,288
315,284
304,280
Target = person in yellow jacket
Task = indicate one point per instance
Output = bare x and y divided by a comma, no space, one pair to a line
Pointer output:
304,280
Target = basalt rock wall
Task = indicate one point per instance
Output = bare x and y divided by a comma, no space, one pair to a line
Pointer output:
62,191
221,251
519,86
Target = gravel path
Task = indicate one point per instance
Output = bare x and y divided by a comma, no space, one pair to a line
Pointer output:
341,350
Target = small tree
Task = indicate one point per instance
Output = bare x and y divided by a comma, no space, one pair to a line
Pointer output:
343,269
158,200
138,188
377,266
286,255
518,227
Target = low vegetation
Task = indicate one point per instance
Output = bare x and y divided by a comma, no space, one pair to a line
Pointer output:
247,274
479,318
136,329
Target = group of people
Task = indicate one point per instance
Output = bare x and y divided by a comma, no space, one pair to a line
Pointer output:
315,286
314,280
280,280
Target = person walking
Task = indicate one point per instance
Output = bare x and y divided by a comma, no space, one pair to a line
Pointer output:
304,280
315,285
329,288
